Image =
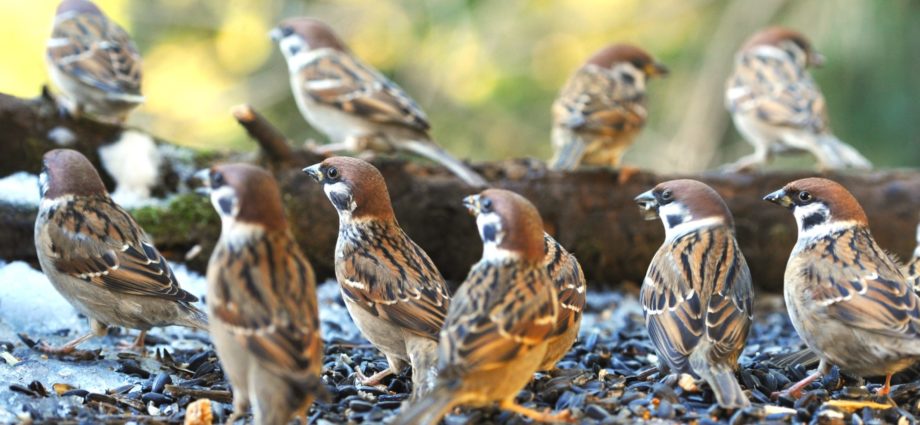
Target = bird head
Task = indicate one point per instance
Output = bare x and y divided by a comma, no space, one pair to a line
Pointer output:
792,42
684,206
508,223
355,187
299,35
633,63
68,172
820,206
243,193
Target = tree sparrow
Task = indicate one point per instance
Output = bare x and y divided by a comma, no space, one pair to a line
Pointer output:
697,294
569,280
353,104
846,297
601,109
777,106
99,259
393,291
501,319
94,63
261,299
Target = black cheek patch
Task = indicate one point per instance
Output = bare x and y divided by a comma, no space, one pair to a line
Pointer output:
226,205
674,220
488,232
813,220
341,201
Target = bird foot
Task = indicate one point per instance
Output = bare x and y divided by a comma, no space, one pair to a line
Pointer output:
373,379
137,345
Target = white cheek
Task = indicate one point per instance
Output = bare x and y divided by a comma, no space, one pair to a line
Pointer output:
42,183
340,190
490,247
225,193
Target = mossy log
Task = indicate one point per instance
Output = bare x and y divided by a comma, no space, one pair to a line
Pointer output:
591,212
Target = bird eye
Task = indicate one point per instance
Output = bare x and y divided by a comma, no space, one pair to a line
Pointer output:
805,197
486,205
332,173
667,195
217,180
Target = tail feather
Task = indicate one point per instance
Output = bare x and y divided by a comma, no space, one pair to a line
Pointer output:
569,149
728,392
844,155
194,318
435,153
429,410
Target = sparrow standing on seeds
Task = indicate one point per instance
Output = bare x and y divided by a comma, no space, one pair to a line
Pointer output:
261,299
697,294
94,63
846,297
569,280
99,259
777,106
353,104
601,109
501,319
393,291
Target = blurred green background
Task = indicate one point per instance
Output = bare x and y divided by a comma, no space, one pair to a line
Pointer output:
486,72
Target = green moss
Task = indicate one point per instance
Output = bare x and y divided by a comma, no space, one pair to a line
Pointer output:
185,215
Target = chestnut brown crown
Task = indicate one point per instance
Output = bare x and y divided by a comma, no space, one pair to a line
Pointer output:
520,221
839,201
78,6
620,53
256,191
367,186
316,33
701,200
68,172
774,36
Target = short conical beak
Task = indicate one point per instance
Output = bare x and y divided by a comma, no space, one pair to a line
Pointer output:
780,197
202,181
314,172
648,205
657,69
472,204
816,59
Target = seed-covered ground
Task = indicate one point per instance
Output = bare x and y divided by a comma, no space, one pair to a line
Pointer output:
610,376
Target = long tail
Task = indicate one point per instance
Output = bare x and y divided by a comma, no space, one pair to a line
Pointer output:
845,155
568,150
805,357
429,410
435,153
194,318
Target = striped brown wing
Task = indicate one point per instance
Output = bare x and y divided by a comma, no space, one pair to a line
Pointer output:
96,51
341,81
592,101
263,291
503,310
387,274
569,280
777,91
95,240
698,287
858,283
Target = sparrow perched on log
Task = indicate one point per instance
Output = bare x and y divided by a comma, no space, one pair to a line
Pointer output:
261,299
99,259
354,105
778,107
569,280
393,291
94,63
697,294
500,321
601,109
846,297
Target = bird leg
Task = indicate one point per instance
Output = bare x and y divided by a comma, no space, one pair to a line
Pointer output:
137,345
562,417
795,391
373,379
67,348
885,390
